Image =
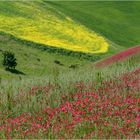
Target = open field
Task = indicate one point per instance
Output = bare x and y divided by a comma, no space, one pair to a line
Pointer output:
77,73
40,62
65,109
77,31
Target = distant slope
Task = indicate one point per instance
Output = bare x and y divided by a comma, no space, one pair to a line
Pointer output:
119,56
39,22
119,21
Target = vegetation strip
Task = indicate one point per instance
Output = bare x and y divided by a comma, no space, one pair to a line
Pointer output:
119,56
52,49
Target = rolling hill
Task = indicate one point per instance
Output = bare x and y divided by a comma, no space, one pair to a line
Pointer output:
47,31
34,60
70,81
118,21
39,22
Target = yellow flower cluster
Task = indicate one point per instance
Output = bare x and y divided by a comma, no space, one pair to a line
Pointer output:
47,28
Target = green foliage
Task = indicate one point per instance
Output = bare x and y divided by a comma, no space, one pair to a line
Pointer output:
118,21
9,60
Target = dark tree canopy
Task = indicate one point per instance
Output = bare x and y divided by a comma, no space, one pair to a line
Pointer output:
9,60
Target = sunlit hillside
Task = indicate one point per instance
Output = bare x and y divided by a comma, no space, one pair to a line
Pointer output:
69,69
38,22
118,21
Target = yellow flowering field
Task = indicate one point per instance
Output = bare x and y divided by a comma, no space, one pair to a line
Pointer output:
50,27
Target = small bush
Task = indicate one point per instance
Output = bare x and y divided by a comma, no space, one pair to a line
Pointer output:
9,60
73,66
38,59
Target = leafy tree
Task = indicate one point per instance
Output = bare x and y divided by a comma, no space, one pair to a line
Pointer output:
9,60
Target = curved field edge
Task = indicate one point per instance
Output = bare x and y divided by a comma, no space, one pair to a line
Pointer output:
41,58
37,59
50,27
53,49
118,21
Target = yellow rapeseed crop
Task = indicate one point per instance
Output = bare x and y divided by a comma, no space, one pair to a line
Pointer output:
48,28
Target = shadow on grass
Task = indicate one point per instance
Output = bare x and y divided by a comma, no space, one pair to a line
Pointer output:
15,71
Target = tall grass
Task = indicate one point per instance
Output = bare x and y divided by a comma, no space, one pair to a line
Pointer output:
24,100
65,82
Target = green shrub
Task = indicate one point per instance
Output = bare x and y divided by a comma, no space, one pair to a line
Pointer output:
9,60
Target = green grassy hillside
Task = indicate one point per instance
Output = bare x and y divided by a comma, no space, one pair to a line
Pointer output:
88,27
57,90
39,22
117,21
35,61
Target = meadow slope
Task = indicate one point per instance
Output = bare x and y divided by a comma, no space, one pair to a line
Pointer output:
35,60
57,25
104,106
117,21
39,22
57,91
